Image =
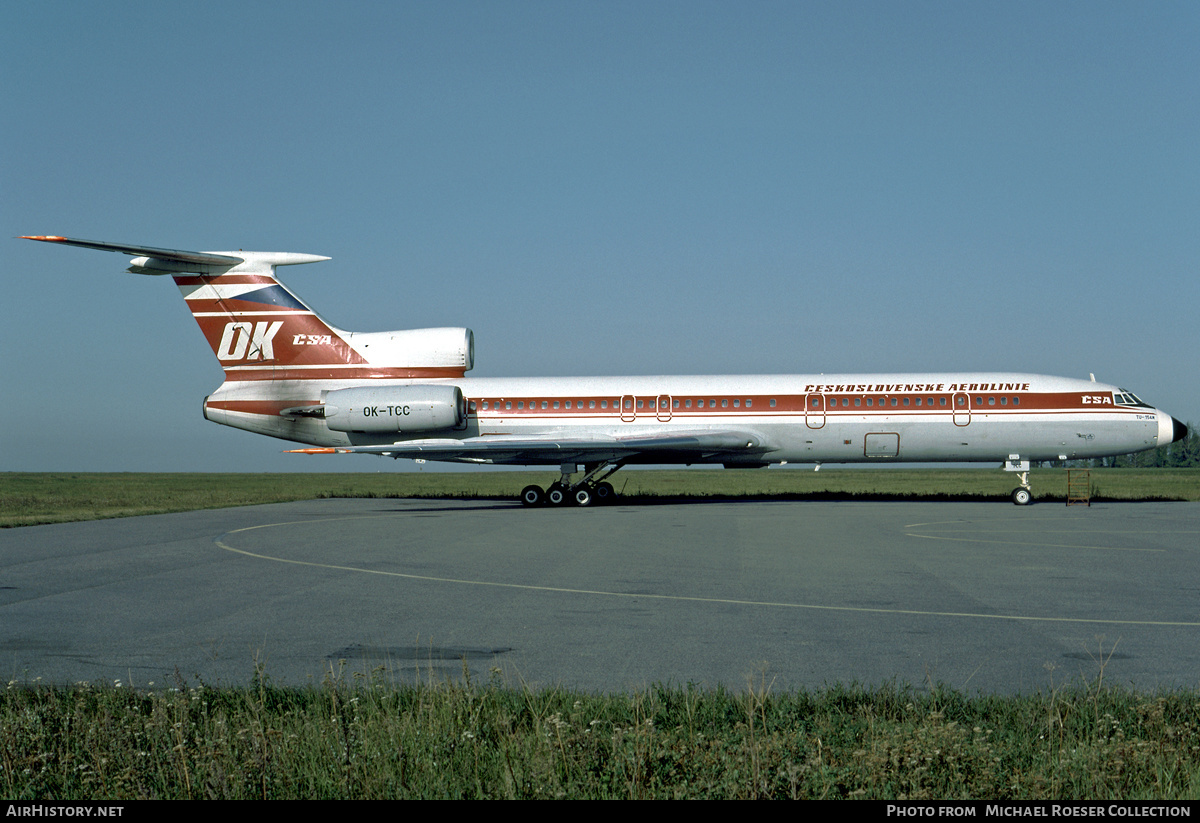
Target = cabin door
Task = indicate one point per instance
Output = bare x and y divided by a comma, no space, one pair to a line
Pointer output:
814,410
664,407
628,412
962,409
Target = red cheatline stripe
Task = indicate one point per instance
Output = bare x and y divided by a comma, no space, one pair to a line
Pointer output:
330,372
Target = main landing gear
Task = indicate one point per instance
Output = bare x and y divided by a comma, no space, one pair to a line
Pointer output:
590,490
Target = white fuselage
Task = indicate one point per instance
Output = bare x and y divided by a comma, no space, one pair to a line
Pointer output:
879,418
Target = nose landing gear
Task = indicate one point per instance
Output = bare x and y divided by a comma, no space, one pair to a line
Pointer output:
1022,495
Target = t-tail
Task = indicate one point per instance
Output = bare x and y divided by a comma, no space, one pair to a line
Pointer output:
260,330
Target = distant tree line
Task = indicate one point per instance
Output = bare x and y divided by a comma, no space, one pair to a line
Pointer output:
1183,453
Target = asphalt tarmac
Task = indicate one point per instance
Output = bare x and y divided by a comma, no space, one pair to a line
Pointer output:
983,597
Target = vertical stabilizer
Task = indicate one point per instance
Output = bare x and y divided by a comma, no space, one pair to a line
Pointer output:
257,328
260,330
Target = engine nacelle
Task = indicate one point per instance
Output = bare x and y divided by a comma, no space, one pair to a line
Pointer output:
449,348
396,409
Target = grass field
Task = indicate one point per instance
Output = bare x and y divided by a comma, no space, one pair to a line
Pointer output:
32,498
358,739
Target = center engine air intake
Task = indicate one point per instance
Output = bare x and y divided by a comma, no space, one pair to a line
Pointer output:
396,409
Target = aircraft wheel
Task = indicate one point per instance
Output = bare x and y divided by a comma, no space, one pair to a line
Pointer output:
533,496
1022,496
555,495
605,493
583,496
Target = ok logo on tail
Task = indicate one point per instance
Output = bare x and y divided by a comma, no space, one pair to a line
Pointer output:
245,341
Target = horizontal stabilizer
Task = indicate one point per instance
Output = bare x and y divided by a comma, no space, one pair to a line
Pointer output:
173,255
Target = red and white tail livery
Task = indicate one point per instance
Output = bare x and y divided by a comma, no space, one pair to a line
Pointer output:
290,374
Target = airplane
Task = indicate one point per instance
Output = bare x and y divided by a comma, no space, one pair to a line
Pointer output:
405,394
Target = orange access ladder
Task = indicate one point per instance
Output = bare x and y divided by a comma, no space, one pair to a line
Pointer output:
1079,487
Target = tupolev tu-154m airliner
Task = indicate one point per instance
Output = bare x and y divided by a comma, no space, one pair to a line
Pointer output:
291,375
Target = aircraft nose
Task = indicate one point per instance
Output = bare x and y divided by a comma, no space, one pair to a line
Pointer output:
1169,429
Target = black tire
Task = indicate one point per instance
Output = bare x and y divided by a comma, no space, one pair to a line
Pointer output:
533,496
605,493
583,496
556,495
1022,496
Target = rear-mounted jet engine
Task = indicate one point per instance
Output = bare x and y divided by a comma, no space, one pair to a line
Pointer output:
396,409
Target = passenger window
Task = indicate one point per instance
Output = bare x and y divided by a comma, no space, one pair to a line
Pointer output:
749,402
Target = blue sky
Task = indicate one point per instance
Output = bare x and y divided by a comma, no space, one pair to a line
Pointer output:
596,188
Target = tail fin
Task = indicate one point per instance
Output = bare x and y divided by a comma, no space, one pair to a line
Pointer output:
259,330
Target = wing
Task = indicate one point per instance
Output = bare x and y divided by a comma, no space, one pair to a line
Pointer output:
679,447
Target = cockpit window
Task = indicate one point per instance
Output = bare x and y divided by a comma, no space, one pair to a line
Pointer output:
1123,397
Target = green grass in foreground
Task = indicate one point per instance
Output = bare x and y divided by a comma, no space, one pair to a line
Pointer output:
359,739
33,498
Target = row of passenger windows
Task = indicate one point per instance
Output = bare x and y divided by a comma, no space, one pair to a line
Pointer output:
642,403
960,401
